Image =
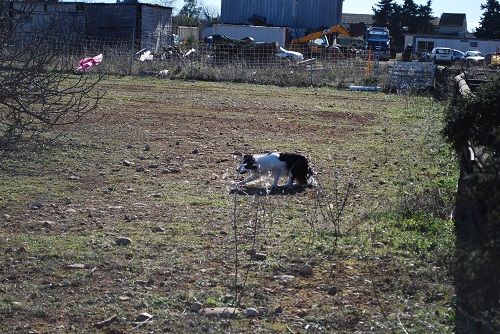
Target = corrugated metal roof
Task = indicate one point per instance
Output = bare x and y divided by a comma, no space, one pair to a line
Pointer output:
302,14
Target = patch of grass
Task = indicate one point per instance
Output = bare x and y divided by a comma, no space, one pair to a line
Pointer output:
421,235
182,246
74,247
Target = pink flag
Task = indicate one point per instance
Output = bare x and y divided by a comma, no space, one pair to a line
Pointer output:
86,63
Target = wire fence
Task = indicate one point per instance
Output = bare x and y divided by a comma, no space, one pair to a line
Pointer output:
263,63
253,63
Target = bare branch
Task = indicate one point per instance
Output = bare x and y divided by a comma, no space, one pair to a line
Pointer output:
38,89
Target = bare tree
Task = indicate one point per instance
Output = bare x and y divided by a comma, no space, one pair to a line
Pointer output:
209,13
166,3
38,89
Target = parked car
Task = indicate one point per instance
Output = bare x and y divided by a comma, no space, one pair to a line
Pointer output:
474,57
457,55
441,55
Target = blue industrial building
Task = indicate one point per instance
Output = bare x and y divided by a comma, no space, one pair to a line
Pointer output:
296,14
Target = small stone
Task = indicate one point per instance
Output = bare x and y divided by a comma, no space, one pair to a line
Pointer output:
196,307
223,312
6,216
74,177
124,298
143,317
158,229
20,249
258,256
76,266
156,195
332,291
70,211
130,146
177,142
48,224
172,170
139,169
301,313
283,278
147,147
36,206
278,310
251,312
305,270
123,241
195,151
153,166
128,163
130,190
129,218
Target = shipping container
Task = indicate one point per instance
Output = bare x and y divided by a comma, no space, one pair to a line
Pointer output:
258,33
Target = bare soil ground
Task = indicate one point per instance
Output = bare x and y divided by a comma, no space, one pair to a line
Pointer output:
155,164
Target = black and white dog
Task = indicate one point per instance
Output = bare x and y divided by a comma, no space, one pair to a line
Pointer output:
294,166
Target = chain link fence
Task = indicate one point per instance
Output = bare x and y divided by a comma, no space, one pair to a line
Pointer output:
263,63
267,64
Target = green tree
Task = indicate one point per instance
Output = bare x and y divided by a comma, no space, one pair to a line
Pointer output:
417,18
189,14
424,19
489,26
383,11
409,16
388,14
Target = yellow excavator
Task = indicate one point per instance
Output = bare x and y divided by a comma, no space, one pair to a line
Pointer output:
317,43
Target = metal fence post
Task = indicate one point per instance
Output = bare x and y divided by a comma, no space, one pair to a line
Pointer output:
132,49
311,68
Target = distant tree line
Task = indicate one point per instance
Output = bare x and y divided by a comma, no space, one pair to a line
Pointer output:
407,18
417,19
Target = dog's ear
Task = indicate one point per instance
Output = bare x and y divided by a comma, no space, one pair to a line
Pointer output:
255,166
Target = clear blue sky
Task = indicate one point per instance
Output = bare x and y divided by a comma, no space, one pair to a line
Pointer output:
469,7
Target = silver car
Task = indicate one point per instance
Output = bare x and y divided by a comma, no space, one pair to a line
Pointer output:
474,57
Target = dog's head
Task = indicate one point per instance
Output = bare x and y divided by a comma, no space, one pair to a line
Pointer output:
247,164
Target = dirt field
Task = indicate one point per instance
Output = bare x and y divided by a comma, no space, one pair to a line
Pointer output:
155,164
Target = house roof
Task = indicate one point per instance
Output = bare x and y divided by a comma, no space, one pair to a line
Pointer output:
452,20
357,18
